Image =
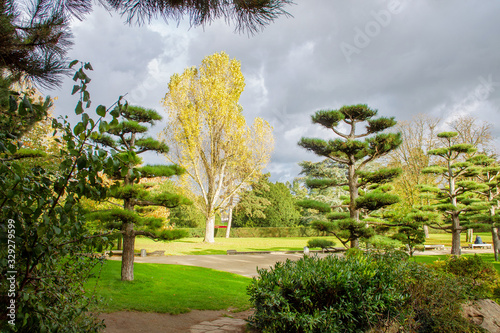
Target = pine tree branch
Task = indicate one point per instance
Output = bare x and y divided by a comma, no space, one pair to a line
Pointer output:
338,159
145,233
345,136
89,237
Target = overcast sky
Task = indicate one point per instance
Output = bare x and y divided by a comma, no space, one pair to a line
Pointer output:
402,57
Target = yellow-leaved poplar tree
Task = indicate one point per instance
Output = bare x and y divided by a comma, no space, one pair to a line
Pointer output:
209,137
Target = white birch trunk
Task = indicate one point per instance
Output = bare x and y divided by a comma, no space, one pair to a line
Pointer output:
210,230
229,220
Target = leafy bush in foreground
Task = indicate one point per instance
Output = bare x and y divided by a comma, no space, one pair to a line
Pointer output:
358,293
327,295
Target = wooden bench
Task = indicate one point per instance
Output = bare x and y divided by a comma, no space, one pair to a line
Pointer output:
433,247
481,246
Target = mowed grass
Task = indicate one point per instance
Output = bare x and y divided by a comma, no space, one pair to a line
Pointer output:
169,289
445,239
195,246
487,257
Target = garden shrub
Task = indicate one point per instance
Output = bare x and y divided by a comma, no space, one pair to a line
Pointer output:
379,242
434,303
334,294
483,277
358,293
319,242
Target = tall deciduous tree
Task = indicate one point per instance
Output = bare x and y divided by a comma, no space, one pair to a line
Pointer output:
471,131
451,194
356,154
418,137
208,134
128,138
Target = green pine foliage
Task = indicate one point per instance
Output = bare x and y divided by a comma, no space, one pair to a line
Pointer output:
35,39
456,196
409,227
127,137
365,191
485,172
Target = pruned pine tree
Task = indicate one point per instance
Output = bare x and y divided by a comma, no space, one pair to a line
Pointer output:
409,227
486,171
454,195
356,155
128,138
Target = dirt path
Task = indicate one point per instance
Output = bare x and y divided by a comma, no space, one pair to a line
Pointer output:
195,321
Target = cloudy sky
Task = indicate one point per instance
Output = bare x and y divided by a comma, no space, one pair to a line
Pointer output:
402,57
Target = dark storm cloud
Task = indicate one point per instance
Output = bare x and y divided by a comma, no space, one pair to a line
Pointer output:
402,57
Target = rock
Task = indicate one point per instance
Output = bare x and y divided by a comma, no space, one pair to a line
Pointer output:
485,313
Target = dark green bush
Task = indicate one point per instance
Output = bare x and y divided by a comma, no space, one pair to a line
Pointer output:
319,242
333,294
358,293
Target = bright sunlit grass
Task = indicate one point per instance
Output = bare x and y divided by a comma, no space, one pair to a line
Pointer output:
170,289
196,246
487,257
445,239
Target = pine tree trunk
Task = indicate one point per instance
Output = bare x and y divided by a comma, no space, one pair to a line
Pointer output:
209,230
354,243
496,242
119,242
128,252
229,221
455,235
353,194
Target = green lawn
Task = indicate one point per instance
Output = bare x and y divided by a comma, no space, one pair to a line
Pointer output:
196,246
488,257
445,239
178,289
170,289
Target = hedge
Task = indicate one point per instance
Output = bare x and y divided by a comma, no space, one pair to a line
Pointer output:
258,232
